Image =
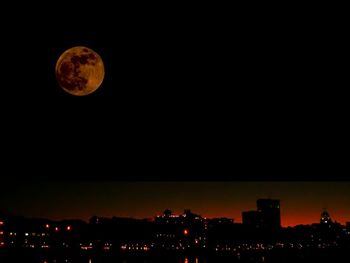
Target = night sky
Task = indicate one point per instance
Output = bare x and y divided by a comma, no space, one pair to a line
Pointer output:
301,202
222,96
230,94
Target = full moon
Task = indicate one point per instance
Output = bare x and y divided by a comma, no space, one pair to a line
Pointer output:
80,71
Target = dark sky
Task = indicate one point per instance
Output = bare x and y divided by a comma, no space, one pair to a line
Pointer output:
232,94
191,93
301,202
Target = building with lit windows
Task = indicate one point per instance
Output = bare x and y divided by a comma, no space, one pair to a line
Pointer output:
179,232
270,214
325,217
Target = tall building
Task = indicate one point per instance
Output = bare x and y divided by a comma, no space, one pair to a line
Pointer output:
270,214
251,219
325,217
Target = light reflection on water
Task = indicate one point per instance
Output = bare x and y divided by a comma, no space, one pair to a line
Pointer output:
260,259
182,260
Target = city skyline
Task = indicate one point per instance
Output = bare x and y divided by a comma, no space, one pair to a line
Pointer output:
301,202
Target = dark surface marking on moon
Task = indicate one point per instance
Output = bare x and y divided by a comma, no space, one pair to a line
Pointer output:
74,59
92,56
65,69
83,59
76,82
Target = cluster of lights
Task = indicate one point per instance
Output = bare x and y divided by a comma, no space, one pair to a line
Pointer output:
165,235
68,228
32,234
65,245
175,247
243,247
87,247
174,216
107,246
135,247
246,247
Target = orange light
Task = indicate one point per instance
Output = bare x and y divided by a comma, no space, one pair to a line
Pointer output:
1,223
47,226
56,228
69,228
185,232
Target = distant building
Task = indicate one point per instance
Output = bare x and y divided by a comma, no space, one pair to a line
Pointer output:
251,219
179,232
221,221
269,210
267,216
325,218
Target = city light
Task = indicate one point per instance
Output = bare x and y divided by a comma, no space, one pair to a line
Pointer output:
173,234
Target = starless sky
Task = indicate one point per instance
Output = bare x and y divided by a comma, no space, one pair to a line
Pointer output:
252,93
301,202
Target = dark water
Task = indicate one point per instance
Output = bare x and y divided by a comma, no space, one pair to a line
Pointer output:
333,256
105,258
148,260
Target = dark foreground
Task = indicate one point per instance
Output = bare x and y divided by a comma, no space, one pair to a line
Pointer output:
32,256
